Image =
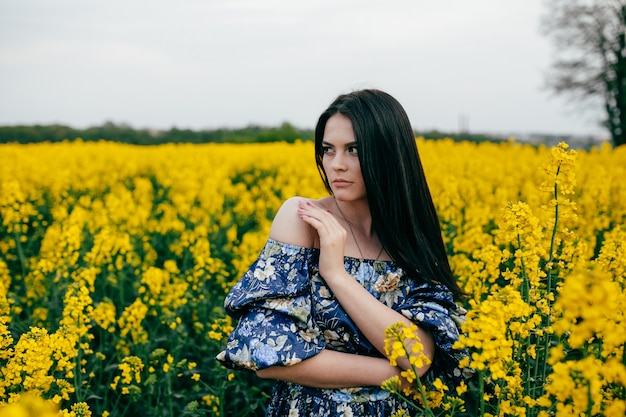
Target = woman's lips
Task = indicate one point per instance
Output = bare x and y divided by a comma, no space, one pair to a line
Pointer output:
341,183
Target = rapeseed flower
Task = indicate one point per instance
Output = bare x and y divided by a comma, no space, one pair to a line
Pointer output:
29,404
130,322
125,250
104,315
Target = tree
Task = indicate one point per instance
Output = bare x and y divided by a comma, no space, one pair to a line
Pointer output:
590,63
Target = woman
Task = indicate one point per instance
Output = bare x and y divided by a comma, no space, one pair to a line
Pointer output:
336,272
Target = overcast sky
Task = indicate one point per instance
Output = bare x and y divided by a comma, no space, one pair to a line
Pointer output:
229,63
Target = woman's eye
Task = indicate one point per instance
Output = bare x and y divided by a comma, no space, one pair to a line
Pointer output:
326,149
354,150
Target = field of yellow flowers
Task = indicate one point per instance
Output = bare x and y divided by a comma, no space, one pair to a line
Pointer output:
115,260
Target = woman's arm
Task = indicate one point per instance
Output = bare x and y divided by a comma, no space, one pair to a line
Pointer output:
332,369
370,315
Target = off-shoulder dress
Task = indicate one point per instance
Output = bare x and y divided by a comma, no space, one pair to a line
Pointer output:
287,314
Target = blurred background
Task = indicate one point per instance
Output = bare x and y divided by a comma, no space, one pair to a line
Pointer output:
458,67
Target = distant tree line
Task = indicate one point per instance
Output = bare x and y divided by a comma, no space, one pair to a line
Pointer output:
126,134
460,137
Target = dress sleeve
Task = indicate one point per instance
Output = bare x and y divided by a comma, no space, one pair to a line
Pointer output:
431,306
272,302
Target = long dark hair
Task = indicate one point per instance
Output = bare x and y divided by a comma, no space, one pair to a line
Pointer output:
403,214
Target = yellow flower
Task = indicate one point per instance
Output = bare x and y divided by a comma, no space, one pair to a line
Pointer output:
130,322
461,388
439,385
29,404
105,243
104,315
392,384
131,368
221,328
401,339
81,409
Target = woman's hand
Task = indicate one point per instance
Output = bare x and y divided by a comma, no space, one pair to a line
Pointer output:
332,237
370,315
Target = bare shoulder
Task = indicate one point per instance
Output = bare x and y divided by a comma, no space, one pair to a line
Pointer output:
288,227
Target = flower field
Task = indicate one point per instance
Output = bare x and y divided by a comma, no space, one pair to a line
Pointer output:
115,260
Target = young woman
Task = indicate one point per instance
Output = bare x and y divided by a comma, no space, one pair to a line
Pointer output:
336,272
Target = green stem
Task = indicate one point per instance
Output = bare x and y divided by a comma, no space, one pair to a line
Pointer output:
525,291
20,251
126,407
481,393
222,399
406,399
546,319
78,374
553,237
525,281
418,382
552,240
590,401
170,394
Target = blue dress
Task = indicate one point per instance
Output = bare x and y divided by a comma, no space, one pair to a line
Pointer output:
287,314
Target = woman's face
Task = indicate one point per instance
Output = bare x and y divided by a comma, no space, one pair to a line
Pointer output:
341,159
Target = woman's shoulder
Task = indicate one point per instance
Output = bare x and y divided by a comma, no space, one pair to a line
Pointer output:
288,227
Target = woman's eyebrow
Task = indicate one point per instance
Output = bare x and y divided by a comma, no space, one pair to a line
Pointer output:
354,143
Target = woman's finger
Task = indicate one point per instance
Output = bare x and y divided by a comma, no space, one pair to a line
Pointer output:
320,219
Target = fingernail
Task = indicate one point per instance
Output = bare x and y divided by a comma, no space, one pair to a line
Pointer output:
309,203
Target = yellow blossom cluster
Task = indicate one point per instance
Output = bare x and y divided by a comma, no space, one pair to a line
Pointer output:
30,404
539,310
115,260
130,375
104,315
402,342
221,328
397,337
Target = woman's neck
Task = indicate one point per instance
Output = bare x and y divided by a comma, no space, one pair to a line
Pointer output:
357,215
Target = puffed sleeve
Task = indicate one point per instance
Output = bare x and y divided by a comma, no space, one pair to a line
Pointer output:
432,307
272,302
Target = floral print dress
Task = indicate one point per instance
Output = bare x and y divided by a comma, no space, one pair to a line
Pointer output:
287,314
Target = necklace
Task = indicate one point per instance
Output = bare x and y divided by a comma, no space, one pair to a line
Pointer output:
354,236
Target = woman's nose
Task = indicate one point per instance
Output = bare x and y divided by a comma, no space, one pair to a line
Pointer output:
339,162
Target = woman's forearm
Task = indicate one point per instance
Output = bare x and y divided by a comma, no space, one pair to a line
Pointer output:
332,369
373,317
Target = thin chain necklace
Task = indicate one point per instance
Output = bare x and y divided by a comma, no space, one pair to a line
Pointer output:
354,236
